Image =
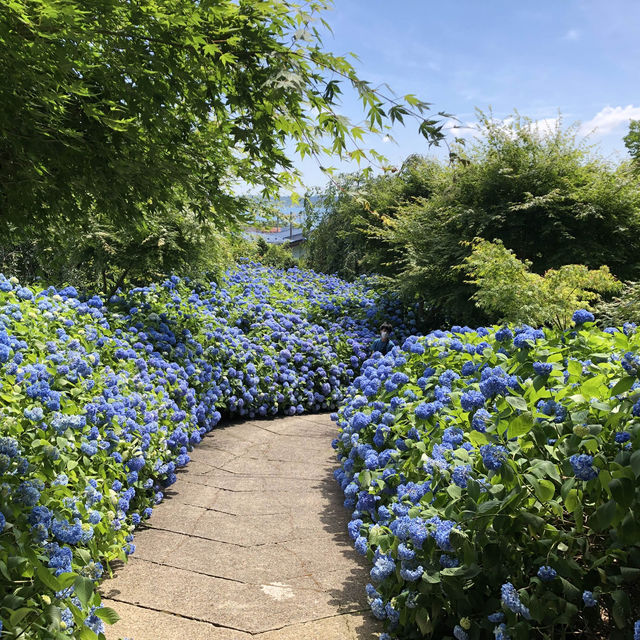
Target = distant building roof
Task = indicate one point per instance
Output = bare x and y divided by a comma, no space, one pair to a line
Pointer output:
292,236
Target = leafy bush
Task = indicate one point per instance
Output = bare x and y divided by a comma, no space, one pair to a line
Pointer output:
505,287
493,480
337,218
275,255
101,403
623,308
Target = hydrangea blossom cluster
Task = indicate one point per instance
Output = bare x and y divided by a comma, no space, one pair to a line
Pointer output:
104,399
464,455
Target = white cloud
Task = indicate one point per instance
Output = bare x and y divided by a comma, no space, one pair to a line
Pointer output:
609,119
458,129
572,35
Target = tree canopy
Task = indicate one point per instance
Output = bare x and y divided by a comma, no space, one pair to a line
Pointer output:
127,108
545,195
632,141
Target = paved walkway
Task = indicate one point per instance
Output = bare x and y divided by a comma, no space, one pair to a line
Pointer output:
250,543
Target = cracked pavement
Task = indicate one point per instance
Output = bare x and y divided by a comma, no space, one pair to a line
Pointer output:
250,543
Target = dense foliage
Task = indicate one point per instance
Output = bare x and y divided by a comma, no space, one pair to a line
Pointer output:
632,142
101,402
545,195
507,289
625,307
117,116
337,218
493,478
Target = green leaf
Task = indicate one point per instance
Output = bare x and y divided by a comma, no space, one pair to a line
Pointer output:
84,555
520,425
571,501
518,402
621,608
603,516
532,520
87,634
592,387
547,468
477,439
570,591
48,578
52,613
574,367
19,615
83,588
630,574
108,615
432,577
544,490
423,620
623,491
66,579
635,463
624,384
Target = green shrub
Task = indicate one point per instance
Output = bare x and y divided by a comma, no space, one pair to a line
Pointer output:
621,309
508,290
275,255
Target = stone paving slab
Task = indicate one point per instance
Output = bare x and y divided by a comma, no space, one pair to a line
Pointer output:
149,624
239,482
250,543
342,627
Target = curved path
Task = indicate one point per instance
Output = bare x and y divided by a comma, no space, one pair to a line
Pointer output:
250,544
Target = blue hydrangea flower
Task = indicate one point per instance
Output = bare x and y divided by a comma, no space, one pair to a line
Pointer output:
542,368
582,315
471,400
448,562
460,475
504,334
377,607
479,420
426,409
583,467
411,575
384,566
511,600
493,456
589,599
500,632
361,545
546,573
459,633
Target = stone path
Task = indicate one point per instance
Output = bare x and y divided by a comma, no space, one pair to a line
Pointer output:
250,543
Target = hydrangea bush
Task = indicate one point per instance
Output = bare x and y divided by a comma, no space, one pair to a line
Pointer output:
493,478
101,402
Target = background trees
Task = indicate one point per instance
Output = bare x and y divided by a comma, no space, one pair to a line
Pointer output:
548,198
127,114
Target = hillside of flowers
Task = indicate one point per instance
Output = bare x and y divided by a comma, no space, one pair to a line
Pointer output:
493,478
101,402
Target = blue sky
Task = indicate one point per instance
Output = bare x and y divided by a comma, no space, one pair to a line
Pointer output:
577,57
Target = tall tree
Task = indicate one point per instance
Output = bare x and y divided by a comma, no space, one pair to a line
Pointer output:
632,141
127,108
